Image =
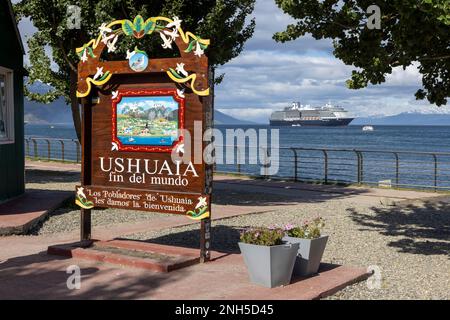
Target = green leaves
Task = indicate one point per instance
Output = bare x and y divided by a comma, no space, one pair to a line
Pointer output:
138,28
138,24
149,26
412,33
104,76
193,44
128,28
226,23
308,230
175,74
262,236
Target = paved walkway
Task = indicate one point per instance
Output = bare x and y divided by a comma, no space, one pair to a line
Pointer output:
41,276
52,166
290,193
19,215
305,190
27,272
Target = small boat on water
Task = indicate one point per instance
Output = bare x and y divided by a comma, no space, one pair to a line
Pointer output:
367,128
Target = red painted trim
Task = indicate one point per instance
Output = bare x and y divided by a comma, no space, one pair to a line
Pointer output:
142,93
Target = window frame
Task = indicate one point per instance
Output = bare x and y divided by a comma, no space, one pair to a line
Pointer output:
9,117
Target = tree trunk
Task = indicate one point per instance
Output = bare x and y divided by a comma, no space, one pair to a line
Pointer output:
212,87
75,105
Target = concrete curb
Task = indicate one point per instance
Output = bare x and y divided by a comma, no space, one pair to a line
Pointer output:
20,215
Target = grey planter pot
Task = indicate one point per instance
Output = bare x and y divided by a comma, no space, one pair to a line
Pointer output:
269,266
309,254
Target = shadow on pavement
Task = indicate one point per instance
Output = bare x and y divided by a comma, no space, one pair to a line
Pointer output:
423,229
255,193
47,176
224,239
41,276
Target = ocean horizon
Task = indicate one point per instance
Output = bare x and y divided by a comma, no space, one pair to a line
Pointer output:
426,138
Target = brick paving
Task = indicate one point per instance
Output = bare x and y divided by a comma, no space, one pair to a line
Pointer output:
27,272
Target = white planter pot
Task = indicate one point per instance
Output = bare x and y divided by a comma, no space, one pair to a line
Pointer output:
269,266
309,254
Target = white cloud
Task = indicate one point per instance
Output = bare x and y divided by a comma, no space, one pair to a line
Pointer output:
269,20
268,76
257,115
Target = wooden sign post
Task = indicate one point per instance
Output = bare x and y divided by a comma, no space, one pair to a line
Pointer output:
140,117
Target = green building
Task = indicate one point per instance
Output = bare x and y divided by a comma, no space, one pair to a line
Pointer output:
12,162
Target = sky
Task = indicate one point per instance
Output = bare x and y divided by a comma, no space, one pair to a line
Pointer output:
269,76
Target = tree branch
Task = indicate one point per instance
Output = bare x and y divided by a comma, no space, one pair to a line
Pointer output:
66,57
436,58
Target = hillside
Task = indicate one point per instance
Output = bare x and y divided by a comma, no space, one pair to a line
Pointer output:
412,119
56,113
59,113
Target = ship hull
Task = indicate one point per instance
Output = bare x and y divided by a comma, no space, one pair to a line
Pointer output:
312,123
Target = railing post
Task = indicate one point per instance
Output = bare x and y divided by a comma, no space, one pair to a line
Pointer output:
435,172
362,166
48,150
265,162
62,150
27,143
238,159
295,164
325,168
77,144
35,149
358,167
397,169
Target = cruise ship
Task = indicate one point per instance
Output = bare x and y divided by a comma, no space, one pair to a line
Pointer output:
298,115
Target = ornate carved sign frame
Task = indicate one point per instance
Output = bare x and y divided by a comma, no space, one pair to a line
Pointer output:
135,112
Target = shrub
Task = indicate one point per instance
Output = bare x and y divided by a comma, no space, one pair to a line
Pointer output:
309,229
262,236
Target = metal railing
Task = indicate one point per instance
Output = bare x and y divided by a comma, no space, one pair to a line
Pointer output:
50,149
386,168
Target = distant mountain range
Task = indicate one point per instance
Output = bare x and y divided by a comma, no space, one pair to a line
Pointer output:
60,113
57,112
412,119
222,118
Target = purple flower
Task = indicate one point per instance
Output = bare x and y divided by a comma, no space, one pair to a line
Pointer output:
289,226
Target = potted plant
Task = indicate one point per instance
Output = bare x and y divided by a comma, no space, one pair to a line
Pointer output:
269,260
312,245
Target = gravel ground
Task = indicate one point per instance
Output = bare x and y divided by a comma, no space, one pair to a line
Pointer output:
410,246
67,218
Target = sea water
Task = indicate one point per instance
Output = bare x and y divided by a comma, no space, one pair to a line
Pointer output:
414,169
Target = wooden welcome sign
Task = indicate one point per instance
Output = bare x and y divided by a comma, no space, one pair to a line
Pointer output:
135,115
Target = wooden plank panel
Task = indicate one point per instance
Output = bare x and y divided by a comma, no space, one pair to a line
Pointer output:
102,131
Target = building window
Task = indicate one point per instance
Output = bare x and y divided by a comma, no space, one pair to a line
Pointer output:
6,106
